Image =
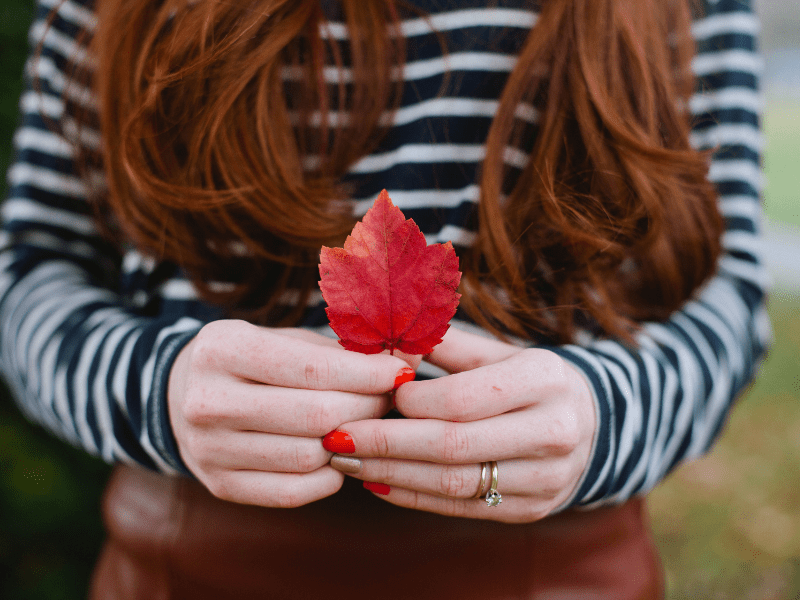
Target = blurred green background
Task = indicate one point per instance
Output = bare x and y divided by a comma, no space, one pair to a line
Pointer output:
728,525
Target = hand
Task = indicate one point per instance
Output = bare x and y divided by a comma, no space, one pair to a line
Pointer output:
249,407
525,408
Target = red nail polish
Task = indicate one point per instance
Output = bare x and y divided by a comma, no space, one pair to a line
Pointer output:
405,375
339,442
377,488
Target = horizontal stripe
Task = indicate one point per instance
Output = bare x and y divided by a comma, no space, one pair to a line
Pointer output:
432,153
729,60
447,21
731,97
67,47
726,170
178,289
747,207
728,135
457,235
39,103
45,179
435,107
72,12
18,209
724,24
421,69
45,70
410,199
43,141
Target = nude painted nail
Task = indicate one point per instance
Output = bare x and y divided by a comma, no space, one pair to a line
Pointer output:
339,441
345,464
377,488
405,375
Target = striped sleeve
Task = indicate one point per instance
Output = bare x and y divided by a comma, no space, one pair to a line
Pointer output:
79,358
666,400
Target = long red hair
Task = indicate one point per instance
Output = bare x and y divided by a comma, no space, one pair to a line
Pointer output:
611,222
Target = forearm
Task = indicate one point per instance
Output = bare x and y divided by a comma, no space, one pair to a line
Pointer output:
666,400
88,369
82,359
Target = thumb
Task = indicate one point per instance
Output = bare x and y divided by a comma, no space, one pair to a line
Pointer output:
464,351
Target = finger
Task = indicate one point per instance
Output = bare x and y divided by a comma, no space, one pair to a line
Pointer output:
523,379
249,450
543,479
512,509
463,351
537,433
276,490
308,336
412,360
261,355
287,411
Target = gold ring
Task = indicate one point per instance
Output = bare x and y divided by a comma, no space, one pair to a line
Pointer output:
482,484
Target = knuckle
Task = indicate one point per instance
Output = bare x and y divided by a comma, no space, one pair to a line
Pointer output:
550,361
305,460
375,379
563,481
455,444
560,433
553,483
198,411
452,482
390,471
458,401
564,433
414,501
207,344
321,419
380,442
318,372
453,507
534,361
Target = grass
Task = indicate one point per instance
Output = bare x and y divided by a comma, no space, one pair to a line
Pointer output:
782,161
728,525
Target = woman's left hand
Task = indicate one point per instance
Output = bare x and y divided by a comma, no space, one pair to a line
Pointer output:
527,409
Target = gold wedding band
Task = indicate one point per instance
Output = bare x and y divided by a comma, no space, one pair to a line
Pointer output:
482,484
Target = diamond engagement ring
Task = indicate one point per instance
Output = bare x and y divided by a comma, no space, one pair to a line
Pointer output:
493,497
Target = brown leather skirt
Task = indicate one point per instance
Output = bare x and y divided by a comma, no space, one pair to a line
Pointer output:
169,539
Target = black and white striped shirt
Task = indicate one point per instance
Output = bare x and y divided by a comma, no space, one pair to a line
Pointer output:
88,336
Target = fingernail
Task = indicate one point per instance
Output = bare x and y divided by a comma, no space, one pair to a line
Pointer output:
338,441
345,464
377,488
405,375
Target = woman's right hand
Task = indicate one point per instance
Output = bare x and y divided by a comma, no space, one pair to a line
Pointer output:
249,407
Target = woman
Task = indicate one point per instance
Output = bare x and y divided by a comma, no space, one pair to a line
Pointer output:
176,178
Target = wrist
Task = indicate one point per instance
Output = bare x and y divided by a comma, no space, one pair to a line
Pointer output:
167,375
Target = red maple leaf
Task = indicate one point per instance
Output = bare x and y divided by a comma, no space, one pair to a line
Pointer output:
387,289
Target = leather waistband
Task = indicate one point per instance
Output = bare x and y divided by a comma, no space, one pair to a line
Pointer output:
168,538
